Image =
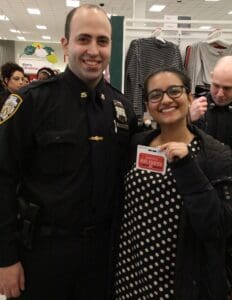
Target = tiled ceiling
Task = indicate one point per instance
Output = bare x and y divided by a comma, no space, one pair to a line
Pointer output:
53,14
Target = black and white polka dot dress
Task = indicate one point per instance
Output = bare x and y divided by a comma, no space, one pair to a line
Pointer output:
148,237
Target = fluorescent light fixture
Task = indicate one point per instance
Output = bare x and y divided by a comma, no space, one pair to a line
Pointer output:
4,18
72,3
14,31
212,0
21,38
157,8
33,11
41,27
230,12
205,27
46,37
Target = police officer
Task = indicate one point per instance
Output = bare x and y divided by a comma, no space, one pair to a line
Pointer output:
213,112
63,143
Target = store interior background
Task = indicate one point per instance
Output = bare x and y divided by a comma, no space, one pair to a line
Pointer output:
181,21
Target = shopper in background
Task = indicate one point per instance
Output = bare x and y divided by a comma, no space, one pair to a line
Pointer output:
63,144
12,76
45,73
213,113
12,80
176,219
27,79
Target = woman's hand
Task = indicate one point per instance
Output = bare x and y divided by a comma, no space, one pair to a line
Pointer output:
174,150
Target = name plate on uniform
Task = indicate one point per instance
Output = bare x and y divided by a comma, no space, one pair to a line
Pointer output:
150,159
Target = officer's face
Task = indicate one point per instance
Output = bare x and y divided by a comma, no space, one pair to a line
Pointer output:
89,46
221,86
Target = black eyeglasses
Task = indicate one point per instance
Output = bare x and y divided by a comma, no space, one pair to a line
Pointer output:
173,91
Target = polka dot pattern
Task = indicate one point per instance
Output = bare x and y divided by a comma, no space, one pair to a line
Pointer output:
148,237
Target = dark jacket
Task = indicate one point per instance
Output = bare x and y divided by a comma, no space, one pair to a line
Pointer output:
217,121
60,153
205,183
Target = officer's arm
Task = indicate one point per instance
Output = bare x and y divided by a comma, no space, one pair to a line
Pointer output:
14,126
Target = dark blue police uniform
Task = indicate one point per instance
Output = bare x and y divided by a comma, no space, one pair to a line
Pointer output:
62,152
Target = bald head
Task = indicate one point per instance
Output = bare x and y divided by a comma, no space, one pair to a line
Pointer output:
76,10
224,63
221,83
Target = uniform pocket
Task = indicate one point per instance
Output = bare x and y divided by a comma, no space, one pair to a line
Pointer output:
56,151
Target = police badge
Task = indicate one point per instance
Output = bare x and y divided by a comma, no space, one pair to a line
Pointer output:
10,107
121,117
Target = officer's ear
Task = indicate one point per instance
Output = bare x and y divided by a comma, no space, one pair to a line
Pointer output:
64,43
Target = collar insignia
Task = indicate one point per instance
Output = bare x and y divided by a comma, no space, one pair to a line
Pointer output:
103,96
10,107
83,95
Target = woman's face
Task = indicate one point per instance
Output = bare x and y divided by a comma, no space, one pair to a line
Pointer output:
42,76
15,82
168,102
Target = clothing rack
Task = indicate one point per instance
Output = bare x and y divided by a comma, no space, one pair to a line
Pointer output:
141,28
145,27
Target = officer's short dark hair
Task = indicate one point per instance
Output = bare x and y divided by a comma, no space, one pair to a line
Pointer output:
72,12
8,69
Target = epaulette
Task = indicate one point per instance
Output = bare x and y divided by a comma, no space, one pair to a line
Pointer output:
114,88
10,107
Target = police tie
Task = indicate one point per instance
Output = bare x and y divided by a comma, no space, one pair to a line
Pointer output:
100,117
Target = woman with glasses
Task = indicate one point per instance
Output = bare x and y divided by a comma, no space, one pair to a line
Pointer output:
177,211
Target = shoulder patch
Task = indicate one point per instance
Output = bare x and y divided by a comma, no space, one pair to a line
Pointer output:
10,107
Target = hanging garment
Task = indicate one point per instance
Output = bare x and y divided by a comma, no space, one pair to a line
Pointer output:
144,56
200,61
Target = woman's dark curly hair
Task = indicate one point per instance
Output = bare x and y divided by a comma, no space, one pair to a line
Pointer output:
8,69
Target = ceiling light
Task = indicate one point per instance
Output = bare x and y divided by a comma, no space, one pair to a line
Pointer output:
230,12
4,18
72,3
41,26
33,11
205,27
157,8
46,37
212,0
14,31
21,38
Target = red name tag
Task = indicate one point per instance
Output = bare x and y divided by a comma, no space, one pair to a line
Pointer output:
149,159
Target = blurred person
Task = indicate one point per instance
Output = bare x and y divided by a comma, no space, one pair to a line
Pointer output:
12,76
63,145
177,211
27,79
45,73
213,112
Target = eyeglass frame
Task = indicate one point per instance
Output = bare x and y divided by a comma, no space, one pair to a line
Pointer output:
166,92
226,89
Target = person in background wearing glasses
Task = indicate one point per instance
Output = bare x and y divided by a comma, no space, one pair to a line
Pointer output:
213,113
177,211
12,76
